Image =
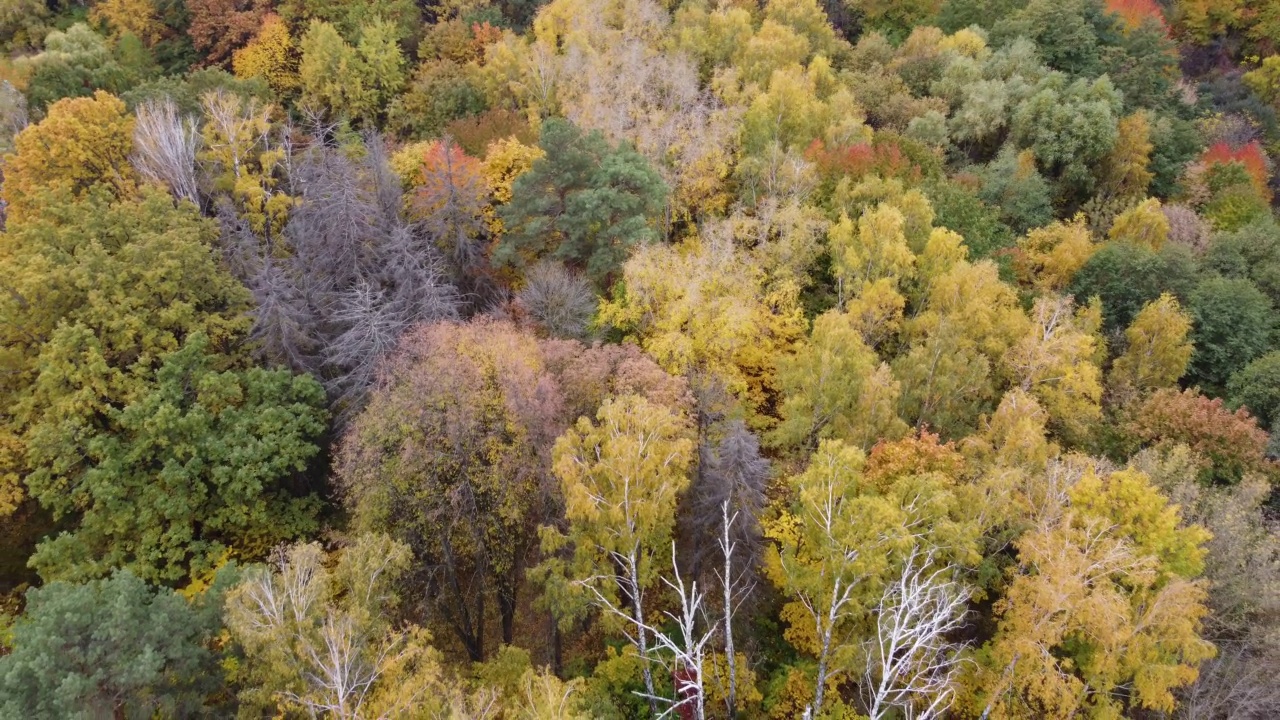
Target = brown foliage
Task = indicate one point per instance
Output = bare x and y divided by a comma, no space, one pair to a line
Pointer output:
1232,441
220,27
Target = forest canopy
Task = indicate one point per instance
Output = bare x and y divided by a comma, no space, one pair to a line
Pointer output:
621,359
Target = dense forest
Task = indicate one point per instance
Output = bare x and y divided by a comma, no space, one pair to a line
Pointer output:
528,360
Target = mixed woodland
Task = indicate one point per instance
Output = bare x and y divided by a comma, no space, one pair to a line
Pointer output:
696,359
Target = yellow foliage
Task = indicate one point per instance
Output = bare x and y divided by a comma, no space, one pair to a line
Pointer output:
967,43
1054,361
505,161
877,250
1143,224
271,55
136,17
1158,348
82,143
1049,257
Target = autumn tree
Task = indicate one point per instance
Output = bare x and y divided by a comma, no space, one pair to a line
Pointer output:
319,636
220,27
357,81
584,202
271,55
1157,348
464,483
1231,441
621,476
835,386
1104,595
81,144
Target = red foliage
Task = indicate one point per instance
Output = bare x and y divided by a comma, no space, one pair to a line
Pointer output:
881,157
1231,441
1251,156
447,172
1135,12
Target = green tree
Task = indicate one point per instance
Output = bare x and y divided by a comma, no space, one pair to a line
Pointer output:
1233,325
1012,184
356,81
113,648
98,292
200,465
1126,277
584,203
1256,387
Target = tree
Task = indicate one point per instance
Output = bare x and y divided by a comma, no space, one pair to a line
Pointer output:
1158,347
1233,325
270,55
830,553
1124,174
1012,184
1125,277
912,664
99,293
621,477
451,457
703,307
200,465
584,202
1144,224
165,146
221,27
135,17
319,636
1256,388
113,647
1231,442
1055,362
835,386
1104,596
1050,256
357,82
450,201
1069,127
561,302
82,143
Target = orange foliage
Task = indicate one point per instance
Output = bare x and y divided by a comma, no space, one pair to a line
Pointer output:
447,173
919,454
883,158
1135,12
483,35
1250,156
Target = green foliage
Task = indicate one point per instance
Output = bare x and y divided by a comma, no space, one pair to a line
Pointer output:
1069,126
201,465
956,208
1233,325
1126,277
358,81
113,648
1012,185
1256,387
585,203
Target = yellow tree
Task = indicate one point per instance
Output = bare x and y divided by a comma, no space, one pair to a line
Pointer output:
271,55
1124,174
1158,348
1055,362
876,250
242,153
136,17
1144,224
703,307
1104,596
621,477
1049,257
83,143
835,386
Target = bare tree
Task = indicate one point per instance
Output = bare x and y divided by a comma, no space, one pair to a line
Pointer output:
731,472
912,664
558,300
165,144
